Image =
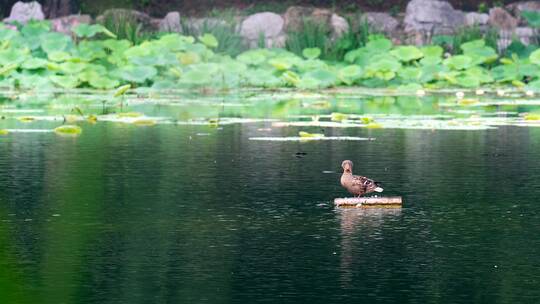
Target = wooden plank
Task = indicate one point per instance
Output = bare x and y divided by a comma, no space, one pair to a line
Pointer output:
369,202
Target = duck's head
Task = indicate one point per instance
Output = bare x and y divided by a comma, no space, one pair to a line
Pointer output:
347,166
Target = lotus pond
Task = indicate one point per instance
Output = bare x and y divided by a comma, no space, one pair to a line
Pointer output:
175,196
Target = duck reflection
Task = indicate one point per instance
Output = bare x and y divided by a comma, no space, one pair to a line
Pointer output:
358,226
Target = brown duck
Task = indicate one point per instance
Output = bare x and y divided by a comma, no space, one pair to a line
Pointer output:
357,185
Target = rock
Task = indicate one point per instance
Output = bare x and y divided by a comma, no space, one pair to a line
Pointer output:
23,12
339,26
526,35
476,19
171,23
424,18
267,26
501,19
121,15
65,24
381,22
296,15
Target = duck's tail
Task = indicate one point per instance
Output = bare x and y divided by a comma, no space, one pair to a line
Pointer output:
379,188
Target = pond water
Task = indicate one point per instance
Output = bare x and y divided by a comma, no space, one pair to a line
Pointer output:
192,211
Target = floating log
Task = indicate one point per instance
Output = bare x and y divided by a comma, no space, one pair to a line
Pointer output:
369,202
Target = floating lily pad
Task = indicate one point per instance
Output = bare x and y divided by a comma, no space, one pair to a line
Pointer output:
309,135
68,130
144,122
309,139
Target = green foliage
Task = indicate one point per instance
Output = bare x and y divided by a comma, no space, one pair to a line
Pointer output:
227,39
35,58
483,8
355,37
532,18
124,27
89,31
311,34
452,43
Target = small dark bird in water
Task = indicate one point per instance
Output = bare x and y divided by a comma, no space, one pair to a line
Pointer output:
357,185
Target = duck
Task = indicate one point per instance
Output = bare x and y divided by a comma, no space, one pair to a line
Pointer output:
355,184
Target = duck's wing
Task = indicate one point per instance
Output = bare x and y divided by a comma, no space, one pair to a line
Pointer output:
367,184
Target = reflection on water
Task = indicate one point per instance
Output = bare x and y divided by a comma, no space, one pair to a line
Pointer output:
354,221
190,213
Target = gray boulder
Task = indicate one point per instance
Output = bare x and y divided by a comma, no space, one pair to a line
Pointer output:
424,18
267,26
381,22
171,23
476,19
339,26
501,19
296,15
23,12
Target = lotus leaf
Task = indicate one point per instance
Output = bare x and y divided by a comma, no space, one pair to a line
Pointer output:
311,53
410,73
379,45
209,40
281,64
67,82
116,45
59,56
90,50
535,57
292,78
432,51
11,56
54,42
430,60
5,70
459,62
323,77
350,74
72,67
100,82
410,87
532,17
7,34
407,53
196,77
34,63
188,58
534,85
89,31
262,78
254,57
137,74
121,91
